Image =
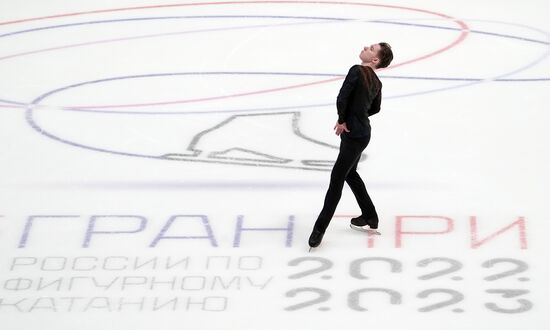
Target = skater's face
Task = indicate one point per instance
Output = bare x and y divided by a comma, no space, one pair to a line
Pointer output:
369,54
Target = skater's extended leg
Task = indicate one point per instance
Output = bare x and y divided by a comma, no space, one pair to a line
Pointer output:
358,188
350,152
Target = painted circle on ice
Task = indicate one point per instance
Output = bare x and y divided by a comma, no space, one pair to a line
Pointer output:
42,130
461,28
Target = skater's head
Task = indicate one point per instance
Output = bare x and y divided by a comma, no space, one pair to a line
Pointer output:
385,55
377,55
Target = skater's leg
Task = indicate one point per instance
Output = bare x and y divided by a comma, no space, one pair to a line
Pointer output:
350,152
359,190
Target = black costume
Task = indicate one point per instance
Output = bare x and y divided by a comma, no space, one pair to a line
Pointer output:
359,98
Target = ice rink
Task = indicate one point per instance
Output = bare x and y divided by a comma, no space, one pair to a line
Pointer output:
163,163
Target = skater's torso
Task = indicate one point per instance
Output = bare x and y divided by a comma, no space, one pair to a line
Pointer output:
359,98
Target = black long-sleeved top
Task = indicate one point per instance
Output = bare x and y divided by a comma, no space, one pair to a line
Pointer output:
359,98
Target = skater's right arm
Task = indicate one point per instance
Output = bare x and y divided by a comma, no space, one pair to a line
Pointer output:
375,106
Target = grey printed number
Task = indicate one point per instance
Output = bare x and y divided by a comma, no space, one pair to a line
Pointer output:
454,266
324,264
354,297
520,267
508,303
524,304
455,297
322,296
356,267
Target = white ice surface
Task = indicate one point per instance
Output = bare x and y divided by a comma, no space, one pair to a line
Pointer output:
200,118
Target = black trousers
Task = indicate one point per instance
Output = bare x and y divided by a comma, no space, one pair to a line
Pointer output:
345,170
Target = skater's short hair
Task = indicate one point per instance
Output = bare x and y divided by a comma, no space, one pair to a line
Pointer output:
385,55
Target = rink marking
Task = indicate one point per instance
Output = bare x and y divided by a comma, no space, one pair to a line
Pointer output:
287,87
196,155
152,18
99,11
98,108
204,99
460,39
460,23
10,106
203,160
146,36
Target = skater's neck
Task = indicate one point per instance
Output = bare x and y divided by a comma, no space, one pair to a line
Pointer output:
370,65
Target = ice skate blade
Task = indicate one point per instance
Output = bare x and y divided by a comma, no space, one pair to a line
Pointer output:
365,229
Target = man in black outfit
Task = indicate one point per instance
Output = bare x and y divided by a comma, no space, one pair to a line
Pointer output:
359,98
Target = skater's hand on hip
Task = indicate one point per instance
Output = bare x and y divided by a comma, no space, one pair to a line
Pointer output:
340,128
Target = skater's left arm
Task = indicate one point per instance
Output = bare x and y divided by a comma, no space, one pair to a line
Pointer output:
345,92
